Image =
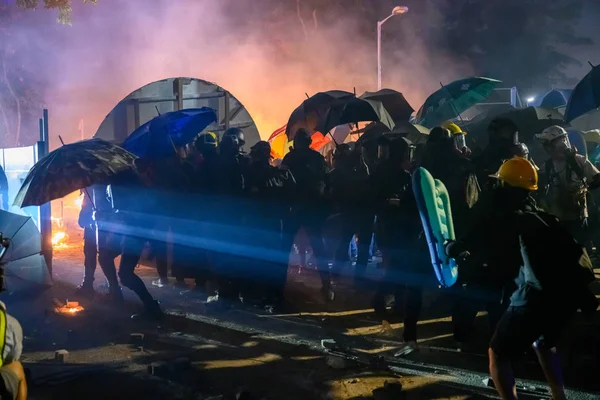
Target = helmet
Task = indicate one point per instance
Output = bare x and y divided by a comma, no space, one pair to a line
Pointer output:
551,133
206,141
261,149
453,128
236,133
518,172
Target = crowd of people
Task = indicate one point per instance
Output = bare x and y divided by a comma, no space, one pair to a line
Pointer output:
233,218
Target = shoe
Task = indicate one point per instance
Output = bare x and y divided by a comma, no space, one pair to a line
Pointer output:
85,290
152,312
160,282
406,348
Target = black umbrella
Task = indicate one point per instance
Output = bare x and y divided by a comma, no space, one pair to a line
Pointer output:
308,114
23,264
353,111
532,120
72,167
393,101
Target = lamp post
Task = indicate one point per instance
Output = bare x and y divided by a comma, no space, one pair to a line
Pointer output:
398,10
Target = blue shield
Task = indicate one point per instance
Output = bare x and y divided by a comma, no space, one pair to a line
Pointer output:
436,216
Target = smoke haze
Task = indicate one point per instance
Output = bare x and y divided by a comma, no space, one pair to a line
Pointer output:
262,55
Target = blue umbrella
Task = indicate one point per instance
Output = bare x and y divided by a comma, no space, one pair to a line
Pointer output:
158,137
452,99
585,96
553,99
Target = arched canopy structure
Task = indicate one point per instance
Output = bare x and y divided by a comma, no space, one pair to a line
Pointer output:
173,94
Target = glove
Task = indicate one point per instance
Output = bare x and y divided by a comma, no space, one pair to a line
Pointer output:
455,249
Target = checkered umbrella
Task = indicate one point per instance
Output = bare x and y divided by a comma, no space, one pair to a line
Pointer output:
71,167
452,99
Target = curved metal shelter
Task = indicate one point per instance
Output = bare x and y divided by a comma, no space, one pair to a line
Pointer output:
174,94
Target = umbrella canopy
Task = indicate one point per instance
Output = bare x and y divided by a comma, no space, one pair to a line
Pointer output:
585,96
354,111
23,264
158,137
417,134
532,120
452,99
393,101
72,167
308,114
554,98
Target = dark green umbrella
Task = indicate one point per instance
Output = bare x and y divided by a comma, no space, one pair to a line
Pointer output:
454,98
72,167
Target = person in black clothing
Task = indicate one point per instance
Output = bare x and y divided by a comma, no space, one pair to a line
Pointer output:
195,259
229,213
87,221
308,211
503,144
522,243
398,232
269,192
134,202
348,190
108,242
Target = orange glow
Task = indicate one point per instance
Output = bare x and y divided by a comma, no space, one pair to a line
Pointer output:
71,308
59,239
79,202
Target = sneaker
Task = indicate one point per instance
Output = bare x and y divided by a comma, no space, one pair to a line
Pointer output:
151,312
406,348
160,282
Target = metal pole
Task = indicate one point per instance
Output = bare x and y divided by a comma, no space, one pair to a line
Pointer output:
379,24
46,210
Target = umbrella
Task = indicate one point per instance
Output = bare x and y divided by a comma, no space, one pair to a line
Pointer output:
308,114
554,98
393,101
417,134
448,102
72,167
532,120
354,111
158,137
585,96
23,264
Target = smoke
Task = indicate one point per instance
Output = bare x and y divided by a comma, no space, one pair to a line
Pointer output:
268,55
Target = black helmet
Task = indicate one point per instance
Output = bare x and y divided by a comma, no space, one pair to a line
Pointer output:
236,133
206,142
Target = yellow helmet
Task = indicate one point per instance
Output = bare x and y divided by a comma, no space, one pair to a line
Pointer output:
518,172
453,128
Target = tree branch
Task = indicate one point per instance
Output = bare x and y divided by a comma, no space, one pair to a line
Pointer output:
300,19
14,96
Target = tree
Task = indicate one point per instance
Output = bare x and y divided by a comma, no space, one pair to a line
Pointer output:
64,7
522,42
20,90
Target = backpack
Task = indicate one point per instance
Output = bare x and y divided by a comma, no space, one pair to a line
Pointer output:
559,248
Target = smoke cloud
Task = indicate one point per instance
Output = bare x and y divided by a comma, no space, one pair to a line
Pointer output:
267,57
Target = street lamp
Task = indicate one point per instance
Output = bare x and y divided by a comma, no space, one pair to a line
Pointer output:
530,100
398,10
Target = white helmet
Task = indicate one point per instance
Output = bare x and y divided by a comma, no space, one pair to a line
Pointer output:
551,133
